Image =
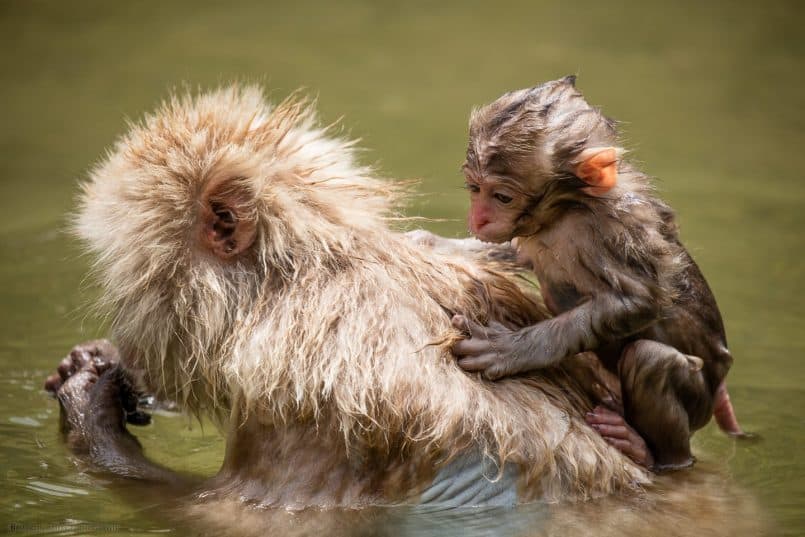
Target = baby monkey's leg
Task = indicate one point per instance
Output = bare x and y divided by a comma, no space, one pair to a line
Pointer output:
665,399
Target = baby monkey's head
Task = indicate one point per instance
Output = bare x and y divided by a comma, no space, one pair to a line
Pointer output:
532,144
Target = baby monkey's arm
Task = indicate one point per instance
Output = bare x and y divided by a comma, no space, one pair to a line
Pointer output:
498,352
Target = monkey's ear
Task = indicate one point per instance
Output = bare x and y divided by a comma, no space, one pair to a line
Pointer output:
599,169
228,217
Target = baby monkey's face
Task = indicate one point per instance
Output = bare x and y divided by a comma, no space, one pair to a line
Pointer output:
528,145
496,205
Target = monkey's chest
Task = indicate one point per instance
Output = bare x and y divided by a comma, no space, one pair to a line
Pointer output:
559,297
556,272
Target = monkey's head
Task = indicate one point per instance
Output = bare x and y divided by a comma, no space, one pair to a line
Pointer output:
530,148
207,207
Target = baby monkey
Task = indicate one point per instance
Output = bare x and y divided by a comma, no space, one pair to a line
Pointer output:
545,171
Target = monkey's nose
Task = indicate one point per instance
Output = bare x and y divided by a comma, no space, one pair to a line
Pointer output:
477,223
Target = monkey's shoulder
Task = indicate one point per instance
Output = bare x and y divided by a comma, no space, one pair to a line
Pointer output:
583,233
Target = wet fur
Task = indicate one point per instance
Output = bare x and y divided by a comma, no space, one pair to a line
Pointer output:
610,263
535,136
331,328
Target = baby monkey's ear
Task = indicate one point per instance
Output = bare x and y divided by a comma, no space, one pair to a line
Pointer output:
598,167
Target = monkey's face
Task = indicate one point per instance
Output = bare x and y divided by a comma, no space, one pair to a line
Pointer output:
496,209
529,146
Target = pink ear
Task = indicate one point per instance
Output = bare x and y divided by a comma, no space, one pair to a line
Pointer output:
600,171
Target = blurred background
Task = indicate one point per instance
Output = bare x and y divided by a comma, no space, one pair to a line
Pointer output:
711,100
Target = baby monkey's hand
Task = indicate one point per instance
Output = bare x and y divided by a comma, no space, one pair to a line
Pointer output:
496,351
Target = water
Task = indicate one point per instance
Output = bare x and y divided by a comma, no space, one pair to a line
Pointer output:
713,103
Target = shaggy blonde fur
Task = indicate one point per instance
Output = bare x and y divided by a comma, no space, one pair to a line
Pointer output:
330,318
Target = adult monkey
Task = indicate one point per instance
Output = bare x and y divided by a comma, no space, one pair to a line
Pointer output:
543,167
250,274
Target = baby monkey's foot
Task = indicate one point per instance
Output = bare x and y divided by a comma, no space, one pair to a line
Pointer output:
620,435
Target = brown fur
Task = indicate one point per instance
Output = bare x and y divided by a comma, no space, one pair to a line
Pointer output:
532,139
314,345
545,170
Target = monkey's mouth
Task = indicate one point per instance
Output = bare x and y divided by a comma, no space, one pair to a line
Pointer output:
492,236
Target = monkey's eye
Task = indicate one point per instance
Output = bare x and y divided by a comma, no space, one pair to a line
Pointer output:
503,198
472,187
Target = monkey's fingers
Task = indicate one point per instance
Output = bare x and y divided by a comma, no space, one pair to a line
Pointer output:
68,365
612,431
633,447
66,368
475,364
605,416
624,446
627,443
469,327
472,347
461,324
53,383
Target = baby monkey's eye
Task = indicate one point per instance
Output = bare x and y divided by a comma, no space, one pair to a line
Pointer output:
503,198
472,187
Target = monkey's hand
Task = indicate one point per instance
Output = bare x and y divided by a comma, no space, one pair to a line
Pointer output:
98,397
498,352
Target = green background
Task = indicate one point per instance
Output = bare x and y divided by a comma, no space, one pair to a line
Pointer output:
712,101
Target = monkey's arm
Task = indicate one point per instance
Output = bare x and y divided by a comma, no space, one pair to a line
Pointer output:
498,352
97,398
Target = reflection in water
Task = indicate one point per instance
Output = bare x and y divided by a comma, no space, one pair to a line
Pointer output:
702,502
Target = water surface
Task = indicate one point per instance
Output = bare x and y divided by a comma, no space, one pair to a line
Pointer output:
712,102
